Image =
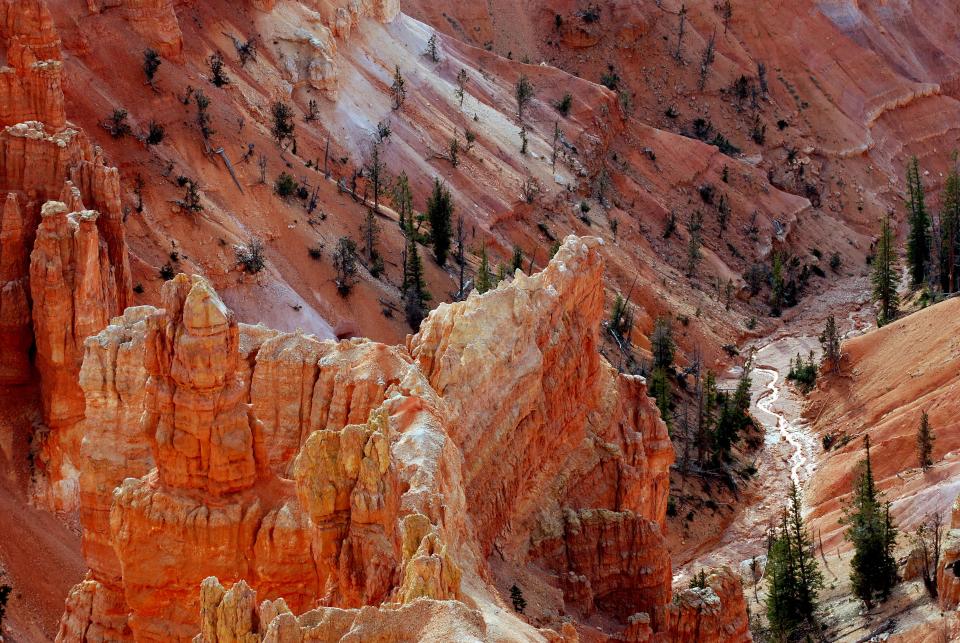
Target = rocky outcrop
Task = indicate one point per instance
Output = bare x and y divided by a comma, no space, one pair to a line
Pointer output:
306,37
234,615
611,561
73,290
715,613
345,513
948,571
16,332
155,20
62,202
328,473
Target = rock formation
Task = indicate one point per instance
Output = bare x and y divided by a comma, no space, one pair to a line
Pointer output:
318,473
77,275
948,571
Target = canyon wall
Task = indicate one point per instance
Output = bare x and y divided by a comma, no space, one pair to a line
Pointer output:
63,201
337,481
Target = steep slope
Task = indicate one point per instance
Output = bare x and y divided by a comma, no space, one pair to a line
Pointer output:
888,378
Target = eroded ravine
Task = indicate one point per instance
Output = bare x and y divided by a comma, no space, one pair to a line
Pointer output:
788,454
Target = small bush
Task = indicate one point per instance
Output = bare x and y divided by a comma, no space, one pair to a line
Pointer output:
167,272
706,192
803,374
671,112
315,252
155,133
117,123
138,289
564,104
250,256
218,76
835,261
285,186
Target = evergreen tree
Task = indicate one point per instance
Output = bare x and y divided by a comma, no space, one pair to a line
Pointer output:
795,579
414,289
283,125
662,346
950,234
484,278
777,285
376,171
398,89
516,261
708,414
873,569
516,596
809,579
918,241
523,92
151,63
403,201
925,439
440,214
885,275
781,583
830,341
660,391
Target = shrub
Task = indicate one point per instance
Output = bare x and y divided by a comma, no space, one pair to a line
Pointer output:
250,256
345,264
835,261
155,133
167,272
316,252
803,374
671,112
117,123
285,186
151,63
218,75
564,104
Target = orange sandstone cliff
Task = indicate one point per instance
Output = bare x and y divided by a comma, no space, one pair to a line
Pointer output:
62,201
375,489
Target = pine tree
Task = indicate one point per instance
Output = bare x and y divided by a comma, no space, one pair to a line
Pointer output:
440,214
777,286
809,579
402,199
950,233
781,582
918,242
462,80
516,596
151,63
885,275
873,569
925,439
516,261
708,414
523,92
795,579
376,171
830,341
283,125
660,391
662,346
484,278
414,289
398,89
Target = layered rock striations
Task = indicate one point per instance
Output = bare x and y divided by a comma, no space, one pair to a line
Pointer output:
272,486
64,269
